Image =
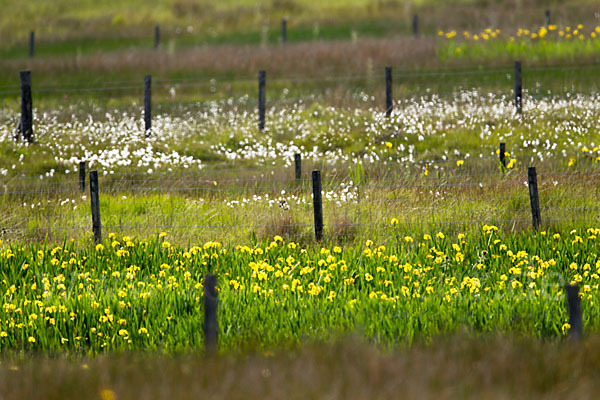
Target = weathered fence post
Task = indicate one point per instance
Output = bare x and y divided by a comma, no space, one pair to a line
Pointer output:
388,92
518,88
415,25
26,106
533,197
147,104
298,166
211,325
31,44
262,77
156,36
547,18
284,31
317,204
575,317
95,202
503,155
82,175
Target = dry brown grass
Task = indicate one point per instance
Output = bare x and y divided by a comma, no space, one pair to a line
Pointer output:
312,58
461,367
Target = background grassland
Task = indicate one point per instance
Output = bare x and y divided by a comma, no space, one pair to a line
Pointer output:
451,368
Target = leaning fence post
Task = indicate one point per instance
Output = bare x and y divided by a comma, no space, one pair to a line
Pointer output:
82,175
415,25
284,31
298,166
156,36
518,88
388,92
317,204
575,318
211,325
95,202
147,104
533,197
262,77
547,18
503,155
31,44
26,106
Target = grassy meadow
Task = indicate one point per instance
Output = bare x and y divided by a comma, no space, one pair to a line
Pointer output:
430,280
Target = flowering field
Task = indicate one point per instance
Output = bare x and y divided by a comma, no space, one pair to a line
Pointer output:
542,43
129,294
207,173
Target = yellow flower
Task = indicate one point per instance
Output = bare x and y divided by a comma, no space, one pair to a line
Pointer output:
440,235
162,234
107,394
566,326
368,277
394,221
388,145
571,162
31,339
99,247
542,32
166,244
460,163
123,332
143,331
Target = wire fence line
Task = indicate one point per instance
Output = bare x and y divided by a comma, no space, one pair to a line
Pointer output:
276,185
295,78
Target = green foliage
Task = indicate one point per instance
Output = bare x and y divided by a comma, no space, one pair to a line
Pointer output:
129,294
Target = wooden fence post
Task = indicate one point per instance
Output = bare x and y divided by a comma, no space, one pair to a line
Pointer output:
547,18
31,44
575,317
415,25
502,155
262,77
156,36
95,203
533,197
284,31
518,88
211,324
147,104
298,166
389,102
82,176
317,204
26,106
